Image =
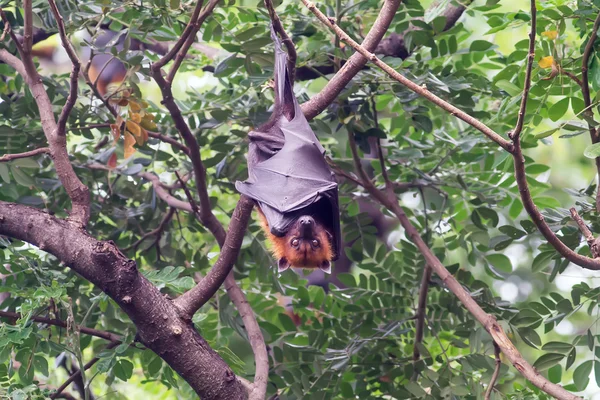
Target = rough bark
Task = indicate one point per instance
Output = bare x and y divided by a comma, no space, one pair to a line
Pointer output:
159,325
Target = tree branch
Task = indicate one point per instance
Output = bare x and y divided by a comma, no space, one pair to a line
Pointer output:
585,88
74,78
157,231
505,144
488,321
289,44
57,322
174,339
77,191
255,336
421,313
77,374
196,24
338,82
164,194
206,215
490,387
530,56
192,300
10,157
593,243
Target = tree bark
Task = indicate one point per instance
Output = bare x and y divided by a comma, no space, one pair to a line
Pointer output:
159,324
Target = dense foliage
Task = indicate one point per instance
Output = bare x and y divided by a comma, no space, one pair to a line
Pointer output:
354,339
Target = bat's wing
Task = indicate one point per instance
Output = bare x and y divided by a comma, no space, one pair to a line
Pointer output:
296,178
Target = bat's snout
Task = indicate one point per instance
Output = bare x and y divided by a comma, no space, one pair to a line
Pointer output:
306,224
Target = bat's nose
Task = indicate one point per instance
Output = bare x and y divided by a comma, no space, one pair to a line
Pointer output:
306,225
306,220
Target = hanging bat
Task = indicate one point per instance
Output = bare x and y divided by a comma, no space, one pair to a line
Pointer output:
294,188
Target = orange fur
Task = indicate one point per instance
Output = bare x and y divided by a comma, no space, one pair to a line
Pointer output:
304,256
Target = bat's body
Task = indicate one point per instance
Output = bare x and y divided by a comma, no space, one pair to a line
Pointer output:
291,182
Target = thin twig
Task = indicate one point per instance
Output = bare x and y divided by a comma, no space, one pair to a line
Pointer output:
10,157
421,314
184,35
496,373
76,375
188,194
530,56
488,321
289,44
154,232
57,322
355,63
255,336
587,234
585,89
74,77
196,24
420,90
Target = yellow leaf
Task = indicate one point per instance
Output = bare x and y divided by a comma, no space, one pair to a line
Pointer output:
148,125
133,128
129,142
134,107
550,34
149,117
546,62
135,117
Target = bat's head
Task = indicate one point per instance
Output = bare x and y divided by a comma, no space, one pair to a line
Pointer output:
306,244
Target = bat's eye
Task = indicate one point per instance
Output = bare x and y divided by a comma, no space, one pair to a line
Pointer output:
295,242
315,243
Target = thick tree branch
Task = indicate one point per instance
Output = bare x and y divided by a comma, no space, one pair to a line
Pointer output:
57,322
159,326
505,144
585,89
10,157
489,322
74,78
329,93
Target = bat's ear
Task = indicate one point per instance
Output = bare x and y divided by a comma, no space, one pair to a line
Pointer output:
283,264
325,266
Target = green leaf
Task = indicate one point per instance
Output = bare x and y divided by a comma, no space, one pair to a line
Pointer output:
571,358
123,369
548,360
542,260
480,45
500,262
555,374
559,109
581,375
415,389
560,347
592,150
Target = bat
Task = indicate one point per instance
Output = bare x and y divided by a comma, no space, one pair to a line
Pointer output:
291,183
